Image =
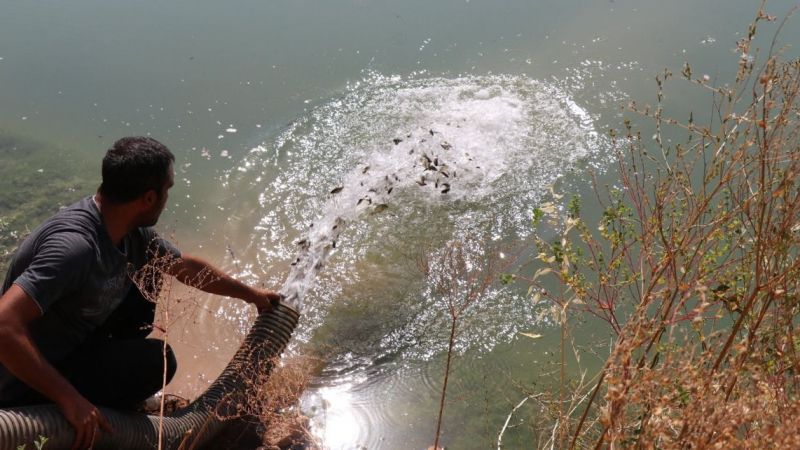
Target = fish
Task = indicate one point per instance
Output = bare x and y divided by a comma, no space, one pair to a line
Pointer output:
397,141
365,169
446,188
380,208
336,190
426,162
389,191
446,145
421,181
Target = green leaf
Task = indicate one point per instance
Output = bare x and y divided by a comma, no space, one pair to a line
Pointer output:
507,278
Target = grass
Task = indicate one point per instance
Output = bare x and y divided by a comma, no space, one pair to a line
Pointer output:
694,269
270,398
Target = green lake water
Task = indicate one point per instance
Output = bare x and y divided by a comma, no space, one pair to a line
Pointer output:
269,105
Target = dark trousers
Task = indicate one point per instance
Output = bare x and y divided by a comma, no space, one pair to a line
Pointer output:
116,366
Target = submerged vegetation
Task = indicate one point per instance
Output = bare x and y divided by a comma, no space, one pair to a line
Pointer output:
29,193
694,268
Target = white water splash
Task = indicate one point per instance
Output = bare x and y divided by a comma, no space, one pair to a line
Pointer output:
396,157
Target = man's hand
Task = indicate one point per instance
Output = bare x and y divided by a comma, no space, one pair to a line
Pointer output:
20,355
85,418
264,299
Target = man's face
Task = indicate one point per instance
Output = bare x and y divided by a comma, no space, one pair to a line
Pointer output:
151,216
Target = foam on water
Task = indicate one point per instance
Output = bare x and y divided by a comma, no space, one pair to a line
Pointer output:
367,181
395,158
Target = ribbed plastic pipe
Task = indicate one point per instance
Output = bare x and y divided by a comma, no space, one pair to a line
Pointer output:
190,427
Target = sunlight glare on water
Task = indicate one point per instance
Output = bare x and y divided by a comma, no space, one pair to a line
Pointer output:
480,149
365,177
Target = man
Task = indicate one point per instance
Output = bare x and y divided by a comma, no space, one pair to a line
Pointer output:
72,323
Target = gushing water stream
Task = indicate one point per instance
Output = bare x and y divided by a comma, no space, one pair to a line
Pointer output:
392,160
442,142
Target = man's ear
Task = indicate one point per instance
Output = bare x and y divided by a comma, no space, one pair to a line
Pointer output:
150,198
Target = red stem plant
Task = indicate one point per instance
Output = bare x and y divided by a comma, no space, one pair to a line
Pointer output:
459,273
694,267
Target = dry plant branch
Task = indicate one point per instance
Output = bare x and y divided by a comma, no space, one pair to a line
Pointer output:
459,274
694,267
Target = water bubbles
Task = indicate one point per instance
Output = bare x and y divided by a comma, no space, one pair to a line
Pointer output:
394,156
708,40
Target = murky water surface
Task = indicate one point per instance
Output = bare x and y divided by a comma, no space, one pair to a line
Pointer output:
324,148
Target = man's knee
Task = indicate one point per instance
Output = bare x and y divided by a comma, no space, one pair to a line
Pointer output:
161,359
172,363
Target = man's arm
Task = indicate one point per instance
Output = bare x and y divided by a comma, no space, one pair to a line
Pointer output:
196,272
20,355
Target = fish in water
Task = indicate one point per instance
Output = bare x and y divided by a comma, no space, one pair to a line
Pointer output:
446,145
380,208
364,170
397,141
336,190
446,188
421,181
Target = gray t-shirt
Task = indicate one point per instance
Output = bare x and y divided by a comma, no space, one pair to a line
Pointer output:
77,277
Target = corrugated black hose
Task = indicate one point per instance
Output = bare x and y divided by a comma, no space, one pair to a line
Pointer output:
190,427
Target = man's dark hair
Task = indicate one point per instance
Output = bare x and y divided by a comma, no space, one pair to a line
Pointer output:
133,166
